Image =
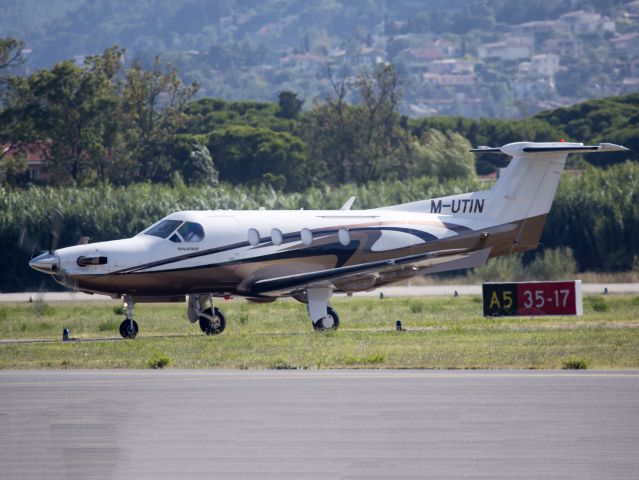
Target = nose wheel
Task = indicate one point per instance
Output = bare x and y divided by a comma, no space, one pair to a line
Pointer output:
129,327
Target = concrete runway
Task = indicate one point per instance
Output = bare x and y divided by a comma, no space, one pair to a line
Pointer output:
318,424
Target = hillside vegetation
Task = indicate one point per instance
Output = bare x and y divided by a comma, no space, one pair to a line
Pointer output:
247,49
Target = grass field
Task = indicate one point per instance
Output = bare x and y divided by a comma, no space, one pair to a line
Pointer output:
441,333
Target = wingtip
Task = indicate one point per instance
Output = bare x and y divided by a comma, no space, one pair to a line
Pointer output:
613,147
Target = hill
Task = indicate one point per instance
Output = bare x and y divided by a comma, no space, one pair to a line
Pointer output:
497,59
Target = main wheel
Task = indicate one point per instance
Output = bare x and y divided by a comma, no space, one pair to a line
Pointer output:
330,322
127,330
214,325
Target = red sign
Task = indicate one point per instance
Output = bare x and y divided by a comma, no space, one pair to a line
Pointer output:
532,298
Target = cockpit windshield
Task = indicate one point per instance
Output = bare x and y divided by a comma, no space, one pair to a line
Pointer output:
188,232
191,232
163,229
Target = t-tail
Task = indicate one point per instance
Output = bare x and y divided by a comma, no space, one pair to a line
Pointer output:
522,194
525,189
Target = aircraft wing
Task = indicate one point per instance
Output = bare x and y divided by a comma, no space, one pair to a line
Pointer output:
292,282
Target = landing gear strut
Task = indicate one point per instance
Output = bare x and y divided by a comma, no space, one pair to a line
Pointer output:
129,327
322,315
211,319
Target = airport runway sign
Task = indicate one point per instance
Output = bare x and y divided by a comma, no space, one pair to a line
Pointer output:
532,298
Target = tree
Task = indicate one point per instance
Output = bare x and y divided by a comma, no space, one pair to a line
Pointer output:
289,105
245,154
153,103
193,161
69,111
99,122
10,52
362,142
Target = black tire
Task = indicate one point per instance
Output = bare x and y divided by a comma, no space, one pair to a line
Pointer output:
213,327
126,331
319,326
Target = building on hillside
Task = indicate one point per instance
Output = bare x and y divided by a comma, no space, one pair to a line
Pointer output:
628,44
563,46
303,61
544,65
630,85
449,80
366,56
631,10
581,22
539,27
513,48
453,66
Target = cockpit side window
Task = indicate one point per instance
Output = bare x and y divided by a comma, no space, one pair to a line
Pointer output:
164,228
191,232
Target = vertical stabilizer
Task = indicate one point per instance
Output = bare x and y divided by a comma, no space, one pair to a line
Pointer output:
527,187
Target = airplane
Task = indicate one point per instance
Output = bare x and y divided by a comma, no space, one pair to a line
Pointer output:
311,254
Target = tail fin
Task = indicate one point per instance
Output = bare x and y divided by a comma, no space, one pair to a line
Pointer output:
526,188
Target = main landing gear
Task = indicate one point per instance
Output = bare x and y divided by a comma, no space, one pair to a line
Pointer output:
211,319
129,327
322,315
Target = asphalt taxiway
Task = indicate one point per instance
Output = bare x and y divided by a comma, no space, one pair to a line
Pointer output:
318,424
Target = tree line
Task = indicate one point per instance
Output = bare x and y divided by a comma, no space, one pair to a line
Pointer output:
109,122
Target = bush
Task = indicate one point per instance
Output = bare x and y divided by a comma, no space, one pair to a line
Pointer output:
500,269
552,264
598,304
158,360
575,363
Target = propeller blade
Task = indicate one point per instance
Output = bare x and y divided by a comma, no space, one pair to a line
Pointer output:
38,302
26,243
57,221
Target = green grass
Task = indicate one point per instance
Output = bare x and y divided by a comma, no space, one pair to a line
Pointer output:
441,333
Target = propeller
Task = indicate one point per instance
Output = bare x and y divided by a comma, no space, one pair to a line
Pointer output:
27,244
57,222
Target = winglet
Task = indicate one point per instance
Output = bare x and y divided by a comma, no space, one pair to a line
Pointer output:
348,204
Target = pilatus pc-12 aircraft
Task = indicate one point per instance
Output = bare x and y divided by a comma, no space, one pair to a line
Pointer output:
311,254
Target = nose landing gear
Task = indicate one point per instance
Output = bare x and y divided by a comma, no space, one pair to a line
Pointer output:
129,327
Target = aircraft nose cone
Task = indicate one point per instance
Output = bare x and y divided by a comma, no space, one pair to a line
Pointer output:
46,263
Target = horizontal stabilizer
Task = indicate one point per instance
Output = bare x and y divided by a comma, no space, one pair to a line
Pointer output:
548,147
